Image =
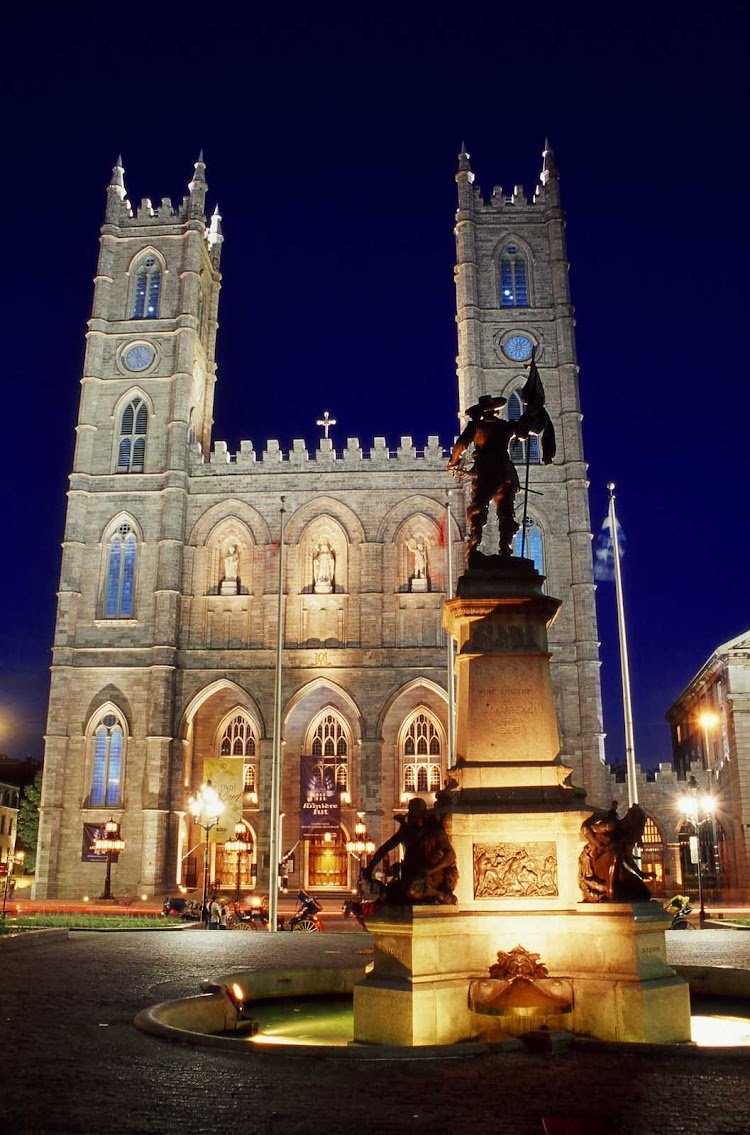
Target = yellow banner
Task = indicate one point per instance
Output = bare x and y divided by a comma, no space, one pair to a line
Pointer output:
227,776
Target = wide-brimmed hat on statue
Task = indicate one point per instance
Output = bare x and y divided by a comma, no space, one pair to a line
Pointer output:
486,402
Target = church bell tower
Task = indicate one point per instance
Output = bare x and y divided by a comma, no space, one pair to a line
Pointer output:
512,299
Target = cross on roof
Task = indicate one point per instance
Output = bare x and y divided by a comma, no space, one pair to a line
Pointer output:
326,422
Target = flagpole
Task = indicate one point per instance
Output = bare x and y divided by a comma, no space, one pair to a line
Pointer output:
525,495
451,662
274,850
624,664
532,366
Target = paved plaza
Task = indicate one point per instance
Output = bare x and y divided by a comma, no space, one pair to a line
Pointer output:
73,1062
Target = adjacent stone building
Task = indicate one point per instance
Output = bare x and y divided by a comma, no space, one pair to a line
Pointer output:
164,656
710,724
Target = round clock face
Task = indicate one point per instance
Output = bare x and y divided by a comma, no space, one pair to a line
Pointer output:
139,357
518,347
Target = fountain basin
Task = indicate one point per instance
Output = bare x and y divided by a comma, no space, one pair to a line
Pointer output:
317,1005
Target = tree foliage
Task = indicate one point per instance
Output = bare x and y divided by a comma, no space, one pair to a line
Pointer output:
28,820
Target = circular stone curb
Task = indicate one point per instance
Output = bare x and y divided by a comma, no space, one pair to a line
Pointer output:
718,981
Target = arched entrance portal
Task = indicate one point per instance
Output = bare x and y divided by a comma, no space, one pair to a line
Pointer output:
328,861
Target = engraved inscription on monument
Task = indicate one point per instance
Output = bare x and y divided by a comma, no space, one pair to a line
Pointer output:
512,870
498,638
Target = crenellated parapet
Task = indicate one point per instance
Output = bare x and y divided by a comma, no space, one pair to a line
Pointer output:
405,457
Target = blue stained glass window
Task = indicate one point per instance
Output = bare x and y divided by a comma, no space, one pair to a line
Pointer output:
147,289
118,600
99,774
112,602
139,302
514,287
534,545
152,306
128,574
106,772
518,448
114,771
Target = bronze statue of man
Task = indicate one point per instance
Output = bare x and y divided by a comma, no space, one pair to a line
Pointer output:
494,476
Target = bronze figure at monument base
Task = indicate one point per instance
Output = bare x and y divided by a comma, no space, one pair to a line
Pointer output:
607,870
428,872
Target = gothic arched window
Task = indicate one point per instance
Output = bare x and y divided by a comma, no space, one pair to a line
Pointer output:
514,285
518,448
147,289
238,739
106,767
421,754
330,741
120,579
533,544
131,451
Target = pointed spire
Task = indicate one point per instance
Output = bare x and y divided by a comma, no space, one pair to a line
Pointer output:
464,166
214,236
117,180
198,188
116,194
549,167
200,172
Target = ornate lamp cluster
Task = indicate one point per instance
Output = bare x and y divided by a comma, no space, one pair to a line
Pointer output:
109,844
206,808
361,845
242,844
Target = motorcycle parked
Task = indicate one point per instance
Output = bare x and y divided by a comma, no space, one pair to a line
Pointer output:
185,909
679,907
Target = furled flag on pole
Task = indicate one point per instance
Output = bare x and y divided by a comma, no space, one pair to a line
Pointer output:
535,416
604,551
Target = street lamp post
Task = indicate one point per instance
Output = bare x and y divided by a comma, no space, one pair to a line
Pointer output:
109,844
709,720
361,846
241,843
14,859
698,809
206,808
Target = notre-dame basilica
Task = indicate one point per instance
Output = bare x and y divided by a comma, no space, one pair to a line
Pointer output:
165,654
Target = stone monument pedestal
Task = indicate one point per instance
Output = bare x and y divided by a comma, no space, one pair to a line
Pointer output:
514,822
613,955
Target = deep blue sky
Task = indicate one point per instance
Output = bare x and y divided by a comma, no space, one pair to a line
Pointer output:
331,144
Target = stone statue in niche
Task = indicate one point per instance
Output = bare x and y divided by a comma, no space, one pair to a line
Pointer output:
324,568
418,580
229,585
607,871
428,872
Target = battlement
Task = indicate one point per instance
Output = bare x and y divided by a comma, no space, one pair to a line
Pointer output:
518,199
407,456
148,213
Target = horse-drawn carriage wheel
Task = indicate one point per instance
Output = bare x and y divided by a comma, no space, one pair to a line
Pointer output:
306,924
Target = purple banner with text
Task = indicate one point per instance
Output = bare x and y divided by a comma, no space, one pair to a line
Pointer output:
320,799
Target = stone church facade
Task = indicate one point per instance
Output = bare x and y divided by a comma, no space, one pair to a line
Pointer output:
164,657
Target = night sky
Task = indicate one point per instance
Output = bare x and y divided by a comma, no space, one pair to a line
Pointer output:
331,145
